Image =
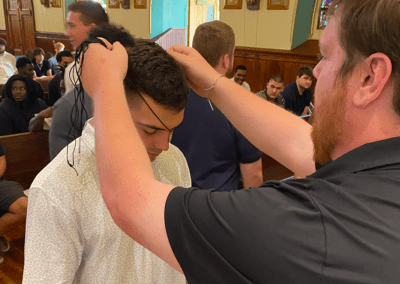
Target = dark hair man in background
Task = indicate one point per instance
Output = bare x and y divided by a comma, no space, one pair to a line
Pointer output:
297,94
25,67
240,77
273,91
81,18
64,58
41,66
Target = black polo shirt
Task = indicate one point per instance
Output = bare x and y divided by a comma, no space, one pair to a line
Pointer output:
295,102
339,225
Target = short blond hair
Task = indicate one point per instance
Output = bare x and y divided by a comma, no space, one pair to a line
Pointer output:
60,46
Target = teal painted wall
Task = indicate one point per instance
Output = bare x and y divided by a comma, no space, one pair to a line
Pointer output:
166,14
303,22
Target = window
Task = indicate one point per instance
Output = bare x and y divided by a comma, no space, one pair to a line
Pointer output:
323,17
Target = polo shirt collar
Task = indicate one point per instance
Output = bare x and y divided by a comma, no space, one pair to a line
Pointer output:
368,156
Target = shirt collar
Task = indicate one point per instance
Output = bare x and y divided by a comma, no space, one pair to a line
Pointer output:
366,157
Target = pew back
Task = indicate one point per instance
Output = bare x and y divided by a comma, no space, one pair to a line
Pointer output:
26,154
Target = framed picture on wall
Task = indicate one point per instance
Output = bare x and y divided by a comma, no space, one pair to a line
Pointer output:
55,3
233,4
278,5
113,4
140,4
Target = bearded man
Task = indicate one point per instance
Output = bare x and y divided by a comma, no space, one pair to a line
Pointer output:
338,225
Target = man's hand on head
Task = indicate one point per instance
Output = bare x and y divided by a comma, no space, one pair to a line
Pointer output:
103,66
200,75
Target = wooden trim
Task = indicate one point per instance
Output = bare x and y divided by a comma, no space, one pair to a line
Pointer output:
262,63
3,34
233,4
45,41
283,5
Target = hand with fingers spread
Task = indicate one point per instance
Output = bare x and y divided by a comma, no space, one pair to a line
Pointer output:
200,75
100,66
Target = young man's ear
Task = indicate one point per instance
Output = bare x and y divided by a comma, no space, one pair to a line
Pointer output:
226,61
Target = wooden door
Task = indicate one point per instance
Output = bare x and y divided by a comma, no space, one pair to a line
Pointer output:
20,25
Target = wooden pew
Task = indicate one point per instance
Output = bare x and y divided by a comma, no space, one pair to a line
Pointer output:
26,154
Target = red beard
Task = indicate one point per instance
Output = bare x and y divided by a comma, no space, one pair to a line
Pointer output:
328,125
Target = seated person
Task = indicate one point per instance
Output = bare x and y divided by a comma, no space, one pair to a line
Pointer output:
297,94
273,91
19,105
7,63
58,47
13,204
240,77
25,67
41,66
53,87
86,245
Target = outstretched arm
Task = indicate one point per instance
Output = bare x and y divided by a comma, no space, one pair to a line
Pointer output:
276,132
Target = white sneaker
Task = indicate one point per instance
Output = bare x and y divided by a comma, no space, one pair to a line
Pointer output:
4,245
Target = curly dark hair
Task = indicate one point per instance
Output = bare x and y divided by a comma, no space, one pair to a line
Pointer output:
153,71
22,61
113,33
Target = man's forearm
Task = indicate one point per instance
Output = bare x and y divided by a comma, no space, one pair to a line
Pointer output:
278,133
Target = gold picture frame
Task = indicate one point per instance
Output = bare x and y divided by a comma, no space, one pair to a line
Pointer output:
278,5
233,4
55,3
140,4
113,4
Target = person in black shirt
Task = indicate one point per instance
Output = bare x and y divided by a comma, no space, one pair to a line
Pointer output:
41,66
19,105
297,94
13,204
53,87
25,67
338,225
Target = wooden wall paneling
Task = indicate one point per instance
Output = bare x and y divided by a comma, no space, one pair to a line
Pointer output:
45,41
28,25
3,33
261,64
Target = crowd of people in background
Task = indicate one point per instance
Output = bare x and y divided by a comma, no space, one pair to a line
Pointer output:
147,186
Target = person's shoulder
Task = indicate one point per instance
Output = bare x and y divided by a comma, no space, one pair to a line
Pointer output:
173,167
289,89
10,56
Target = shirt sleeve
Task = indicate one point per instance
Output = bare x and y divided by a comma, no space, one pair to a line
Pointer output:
53,250
256,235
246,152
46,65
60,126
